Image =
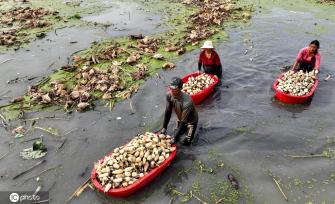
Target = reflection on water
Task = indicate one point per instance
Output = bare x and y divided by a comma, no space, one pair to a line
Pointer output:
293,108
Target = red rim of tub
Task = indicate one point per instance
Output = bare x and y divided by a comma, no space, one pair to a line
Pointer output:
200,96
138,184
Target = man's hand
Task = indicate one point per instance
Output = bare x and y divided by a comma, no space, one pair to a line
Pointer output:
163,131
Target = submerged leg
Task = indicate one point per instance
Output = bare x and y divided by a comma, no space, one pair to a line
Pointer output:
180,129
191,128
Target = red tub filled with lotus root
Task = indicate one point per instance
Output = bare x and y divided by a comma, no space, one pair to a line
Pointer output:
199,85
131,167
295,87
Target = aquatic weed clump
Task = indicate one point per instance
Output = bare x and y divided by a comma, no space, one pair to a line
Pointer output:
326,1
223,192
205,180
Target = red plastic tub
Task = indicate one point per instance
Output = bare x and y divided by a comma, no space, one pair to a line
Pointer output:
287,98
137,185
199,97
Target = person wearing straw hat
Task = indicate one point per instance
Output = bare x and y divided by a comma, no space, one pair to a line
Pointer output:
210,60
187,115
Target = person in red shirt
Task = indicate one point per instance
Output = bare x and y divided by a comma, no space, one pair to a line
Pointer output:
308,58
210,60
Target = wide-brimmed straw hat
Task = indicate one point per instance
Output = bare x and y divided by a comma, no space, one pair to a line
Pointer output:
208,44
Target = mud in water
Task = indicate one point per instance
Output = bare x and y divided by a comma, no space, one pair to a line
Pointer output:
241,120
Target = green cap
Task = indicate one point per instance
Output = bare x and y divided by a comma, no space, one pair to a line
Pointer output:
176,83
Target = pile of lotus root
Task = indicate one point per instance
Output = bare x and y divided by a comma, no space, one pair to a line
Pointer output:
88,79
212,12
197,84
8,37
134,160
21,18
297,83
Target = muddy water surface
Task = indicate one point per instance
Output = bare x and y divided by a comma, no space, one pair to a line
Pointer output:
126,18
241,121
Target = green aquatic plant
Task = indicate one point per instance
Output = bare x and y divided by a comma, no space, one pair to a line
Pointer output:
206,185
223,192
328,153
75,16
184,171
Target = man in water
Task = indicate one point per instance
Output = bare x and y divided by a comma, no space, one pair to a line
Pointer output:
187,116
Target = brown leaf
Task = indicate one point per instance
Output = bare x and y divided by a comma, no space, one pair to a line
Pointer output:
17,99
138,36
85,96
106,96
20,130
131,59
68,68
76,58
171,48
75,94
46,98
181,51
83,106
158,56
169,65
